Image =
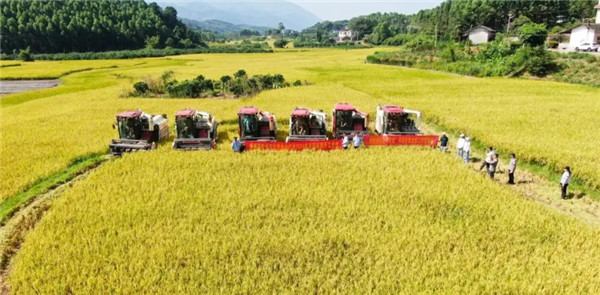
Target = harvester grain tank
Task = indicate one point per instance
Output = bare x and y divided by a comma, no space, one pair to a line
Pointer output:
138,131
195,130
394,120
347,119
255,125
307,125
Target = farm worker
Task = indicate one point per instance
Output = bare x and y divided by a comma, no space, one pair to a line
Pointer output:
512,165
345,142
444,142
460,144
564,182
492,165
357,140
467,150
236,145
272,126
488,158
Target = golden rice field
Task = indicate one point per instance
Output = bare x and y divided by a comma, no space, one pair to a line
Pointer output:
373,221
393,221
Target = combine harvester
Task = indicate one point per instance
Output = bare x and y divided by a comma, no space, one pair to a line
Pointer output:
394,120
255,125
195,130
348,120
307,125
398,126
138,131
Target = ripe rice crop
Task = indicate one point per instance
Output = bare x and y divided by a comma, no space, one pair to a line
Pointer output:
380,220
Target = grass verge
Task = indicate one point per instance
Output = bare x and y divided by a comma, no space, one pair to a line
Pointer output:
79,165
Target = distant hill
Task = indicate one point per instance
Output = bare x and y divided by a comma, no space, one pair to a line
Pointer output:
257,13
221,27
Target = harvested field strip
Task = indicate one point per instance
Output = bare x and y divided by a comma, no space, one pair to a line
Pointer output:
78,166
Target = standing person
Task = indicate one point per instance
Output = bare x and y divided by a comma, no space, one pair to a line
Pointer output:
467,150
492,165
564,182
357,140
460,144
488,159
345,141
236,145
272,127
444,143
512,165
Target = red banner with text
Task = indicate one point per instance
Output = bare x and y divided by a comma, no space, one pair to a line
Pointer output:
323,145
379,140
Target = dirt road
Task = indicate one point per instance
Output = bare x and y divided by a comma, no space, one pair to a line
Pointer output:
15,86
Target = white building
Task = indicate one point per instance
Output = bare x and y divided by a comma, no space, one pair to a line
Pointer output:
584,33
480,35
347,34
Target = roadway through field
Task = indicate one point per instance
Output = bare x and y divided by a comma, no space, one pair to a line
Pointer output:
531,186
16,86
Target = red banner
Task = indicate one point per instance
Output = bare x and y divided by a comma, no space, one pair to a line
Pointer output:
323,145
425,140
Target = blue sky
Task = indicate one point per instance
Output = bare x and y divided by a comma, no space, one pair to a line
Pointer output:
338,9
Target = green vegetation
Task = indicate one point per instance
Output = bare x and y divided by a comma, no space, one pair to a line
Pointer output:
200,87
243,47
82,26
81,164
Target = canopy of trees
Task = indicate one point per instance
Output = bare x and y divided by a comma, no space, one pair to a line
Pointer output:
79,25
453,18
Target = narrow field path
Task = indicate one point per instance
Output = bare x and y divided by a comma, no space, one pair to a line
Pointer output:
22,222
16,86
531,185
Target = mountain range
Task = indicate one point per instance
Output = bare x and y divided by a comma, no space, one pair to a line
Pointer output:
256,13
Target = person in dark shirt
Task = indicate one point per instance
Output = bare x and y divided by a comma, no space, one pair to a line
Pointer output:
444,143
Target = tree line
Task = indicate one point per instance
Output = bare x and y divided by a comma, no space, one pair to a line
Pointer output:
88,26
452,19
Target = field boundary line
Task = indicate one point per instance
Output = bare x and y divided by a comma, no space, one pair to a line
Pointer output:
534,182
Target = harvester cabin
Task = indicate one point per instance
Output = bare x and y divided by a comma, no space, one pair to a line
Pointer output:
132,124
192,124
305,122
395,120
255,124
348,120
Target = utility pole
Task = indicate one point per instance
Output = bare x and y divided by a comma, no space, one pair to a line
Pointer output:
436,35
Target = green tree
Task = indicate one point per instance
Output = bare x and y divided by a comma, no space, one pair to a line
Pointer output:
533,34
25,54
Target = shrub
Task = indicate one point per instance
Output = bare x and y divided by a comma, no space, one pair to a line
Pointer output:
140,88
280,43
25,54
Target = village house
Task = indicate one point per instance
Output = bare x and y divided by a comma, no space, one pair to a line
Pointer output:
347,34
480,35
584,33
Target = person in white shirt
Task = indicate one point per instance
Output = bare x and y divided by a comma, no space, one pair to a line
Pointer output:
489,159
512,165
466,150
564,182
357,140
345,142
460,144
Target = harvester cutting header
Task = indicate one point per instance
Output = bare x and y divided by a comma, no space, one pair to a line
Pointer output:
138,131
195,130
348,120
306,125
255,125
